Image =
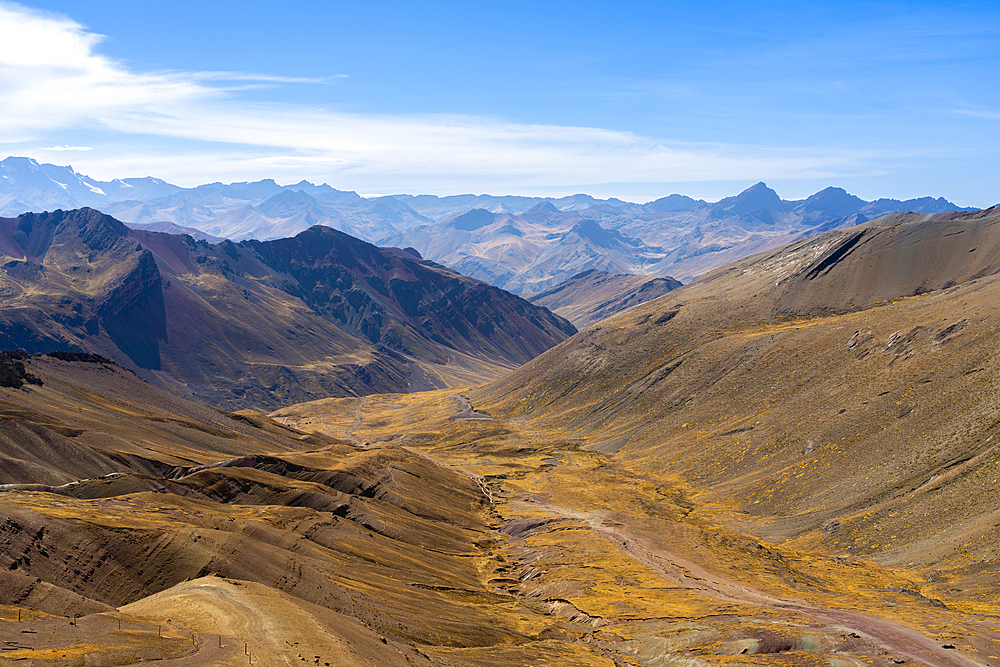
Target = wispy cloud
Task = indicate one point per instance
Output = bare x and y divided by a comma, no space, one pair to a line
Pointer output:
987,114
67,148
268,78
54,81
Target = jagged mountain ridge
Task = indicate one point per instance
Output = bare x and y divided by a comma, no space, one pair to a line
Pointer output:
676,236
257,323
695,235
261,210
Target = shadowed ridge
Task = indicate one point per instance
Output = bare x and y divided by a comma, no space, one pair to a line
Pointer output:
87,275
398,300
258,324
895,256
30,235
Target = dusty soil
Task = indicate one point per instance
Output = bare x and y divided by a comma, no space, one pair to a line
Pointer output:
898,640
466,412
616,557
709,479
258,625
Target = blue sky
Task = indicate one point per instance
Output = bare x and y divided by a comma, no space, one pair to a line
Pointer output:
635,100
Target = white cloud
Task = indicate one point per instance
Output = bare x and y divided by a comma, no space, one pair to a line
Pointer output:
67,148
265,78
52,80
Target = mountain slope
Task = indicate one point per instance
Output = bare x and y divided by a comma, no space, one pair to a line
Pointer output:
208,532
593,295
355,545
778,488
836,393
257,323
409,303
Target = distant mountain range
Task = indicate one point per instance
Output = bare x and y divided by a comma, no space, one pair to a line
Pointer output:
237,211
257,323
675,236
523,244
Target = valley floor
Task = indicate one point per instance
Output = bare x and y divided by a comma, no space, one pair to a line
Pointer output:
488,543
641,576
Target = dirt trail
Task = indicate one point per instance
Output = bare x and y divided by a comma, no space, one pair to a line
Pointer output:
899,640
359,421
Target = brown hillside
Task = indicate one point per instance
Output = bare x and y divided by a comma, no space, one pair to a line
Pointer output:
130,492
750,470
257,324
808,394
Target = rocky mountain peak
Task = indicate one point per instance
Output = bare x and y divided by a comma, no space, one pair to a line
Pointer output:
754,198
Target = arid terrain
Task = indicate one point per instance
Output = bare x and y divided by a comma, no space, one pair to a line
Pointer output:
791,461
257,324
